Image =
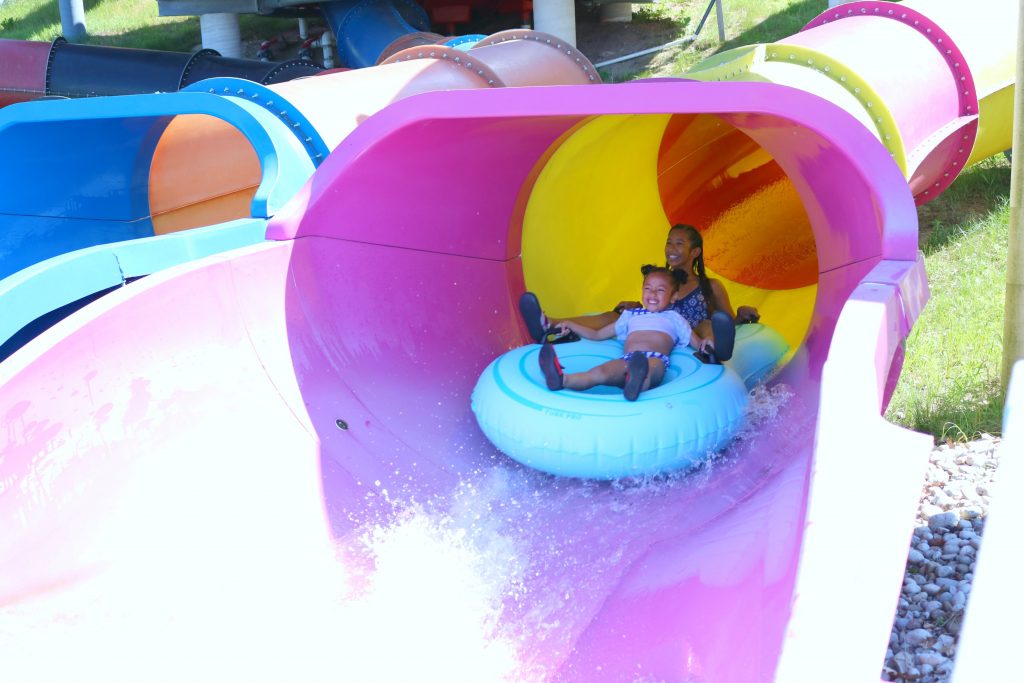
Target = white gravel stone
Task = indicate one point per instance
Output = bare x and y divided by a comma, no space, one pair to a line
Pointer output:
917,636
940,562
942,521
932,658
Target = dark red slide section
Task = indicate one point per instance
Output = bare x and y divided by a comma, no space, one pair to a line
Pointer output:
24,70
32,69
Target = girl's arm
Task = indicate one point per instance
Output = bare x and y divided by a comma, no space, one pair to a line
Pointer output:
700,343
600,334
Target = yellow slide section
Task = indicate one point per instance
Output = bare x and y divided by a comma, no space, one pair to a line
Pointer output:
596,213
597,196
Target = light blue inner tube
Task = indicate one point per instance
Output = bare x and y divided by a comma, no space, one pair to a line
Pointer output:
597,434
758,352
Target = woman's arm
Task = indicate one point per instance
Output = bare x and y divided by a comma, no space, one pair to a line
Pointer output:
623,305
744,314
600,334
721,302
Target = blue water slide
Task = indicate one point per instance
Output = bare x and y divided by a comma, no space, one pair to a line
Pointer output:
74,216
364,28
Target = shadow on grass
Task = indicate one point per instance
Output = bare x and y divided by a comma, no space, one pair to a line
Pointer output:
176,34
950,418
43,23
976,193
774,27
43,16
777,26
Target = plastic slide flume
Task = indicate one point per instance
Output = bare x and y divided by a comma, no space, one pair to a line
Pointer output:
222,159
276,472
34,69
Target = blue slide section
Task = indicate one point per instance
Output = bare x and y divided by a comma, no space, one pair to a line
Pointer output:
74,211
364,28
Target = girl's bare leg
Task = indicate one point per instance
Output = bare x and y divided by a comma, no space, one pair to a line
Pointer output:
611,373
655,373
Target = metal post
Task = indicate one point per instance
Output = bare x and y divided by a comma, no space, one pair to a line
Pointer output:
220,32
721,20
72,20
557,17
1013,311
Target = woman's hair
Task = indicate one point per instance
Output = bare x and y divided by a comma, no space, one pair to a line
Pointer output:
693,235
678,277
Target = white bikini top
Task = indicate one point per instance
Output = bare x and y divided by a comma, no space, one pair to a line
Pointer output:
668,321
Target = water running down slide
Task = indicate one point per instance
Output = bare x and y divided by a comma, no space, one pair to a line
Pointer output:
298,465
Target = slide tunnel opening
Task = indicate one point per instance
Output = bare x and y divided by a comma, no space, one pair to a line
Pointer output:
180,198
606,197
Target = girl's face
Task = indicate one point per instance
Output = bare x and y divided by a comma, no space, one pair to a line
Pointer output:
679,253
658,291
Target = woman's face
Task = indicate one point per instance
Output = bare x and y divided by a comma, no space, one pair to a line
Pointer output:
678,252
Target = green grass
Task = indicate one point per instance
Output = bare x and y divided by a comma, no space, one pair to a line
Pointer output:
123,23
746,21
950,384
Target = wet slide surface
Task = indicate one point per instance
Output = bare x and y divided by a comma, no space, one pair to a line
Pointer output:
292,482
347,484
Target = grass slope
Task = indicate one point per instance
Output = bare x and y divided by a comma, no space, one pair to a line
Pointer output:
122,23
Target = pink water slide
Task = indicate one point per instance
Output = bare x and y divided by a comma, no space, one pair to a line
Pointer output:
263,464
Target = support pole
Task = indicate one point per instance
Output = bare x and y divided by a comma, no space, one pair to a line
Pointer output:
557,17
72,20
1013,311
720,14
222,33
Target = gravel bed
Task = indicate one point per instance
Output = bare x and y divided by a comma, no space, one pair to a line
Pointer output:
940,563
